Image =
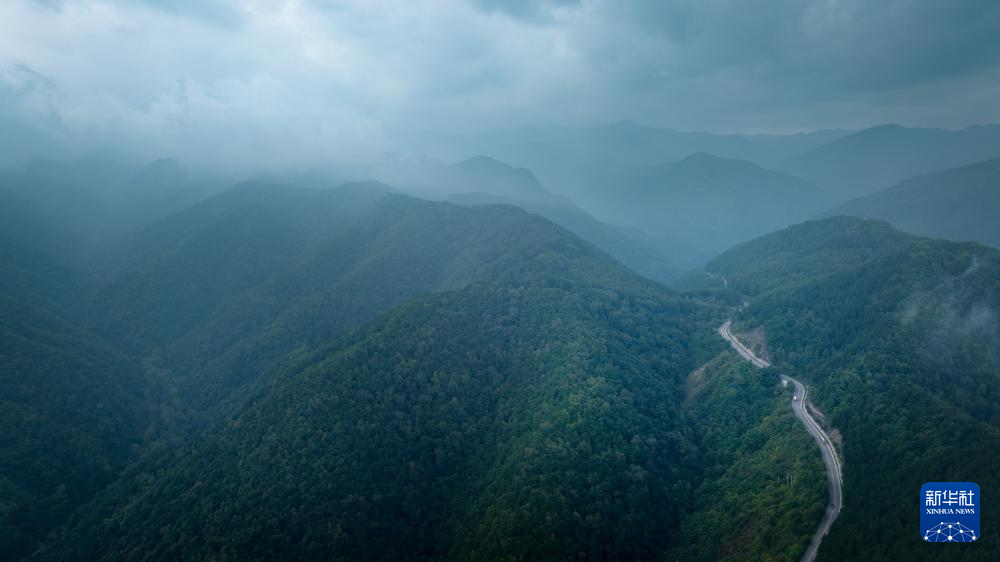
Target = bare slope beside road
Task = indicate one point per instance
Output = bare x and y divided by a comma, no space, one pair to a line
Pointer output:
799,406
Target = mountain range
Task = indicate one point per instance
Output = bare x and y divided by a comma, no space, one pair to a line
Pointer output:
958,204
490,372
707,204
879,157
518,356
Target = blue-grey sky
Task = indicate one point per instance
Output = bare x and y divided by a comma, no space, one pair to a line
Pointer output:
287,82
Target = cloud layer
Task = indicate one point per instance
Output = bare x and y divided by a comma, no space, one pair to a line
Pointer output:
294,82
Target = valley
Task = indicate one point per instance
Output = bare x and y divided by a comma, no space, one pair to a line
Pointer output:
559,280
831,458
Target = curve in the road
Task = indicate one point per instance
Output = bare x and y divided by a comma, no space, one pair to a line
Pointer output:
800,401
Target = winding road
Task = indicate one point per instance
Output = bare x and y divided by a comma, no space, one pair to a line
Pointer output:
800,402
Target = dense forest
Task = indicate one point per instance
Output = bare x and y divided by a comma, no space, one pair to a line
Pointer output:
899,338
487,423
552,280
286,372
762,486
277,372
73,409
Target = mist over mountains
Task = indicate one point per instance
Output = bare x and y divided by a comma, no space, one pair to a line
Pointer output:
477,280
882,156
957,204
197,316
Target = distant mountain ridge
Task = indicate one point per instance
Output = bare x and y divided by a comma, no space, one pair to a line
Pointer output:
961,204
482,179
879,157
709,203
578,161
436,179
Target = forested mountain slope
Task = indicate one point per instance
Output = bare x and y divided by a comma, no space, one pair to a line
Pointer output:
535,413
898,337
482,179
960,204
215,294
73,411
761,487
363,375
632,247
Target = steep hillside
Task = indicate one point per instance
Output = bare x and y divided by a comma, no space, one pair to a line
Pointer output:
959,204
357,374
898,336
631,247
72,410
537,414
532,414
879,157
761,490
215,294
484,180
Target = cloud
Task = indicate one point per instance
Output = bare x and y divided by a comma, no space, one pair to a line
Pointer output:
284,81
535,11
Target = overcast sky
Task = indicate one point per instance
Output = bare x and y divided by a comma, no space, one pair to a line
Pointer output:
281,80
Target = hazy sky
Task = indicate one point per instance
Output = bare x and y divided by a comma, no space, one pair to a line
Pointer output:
287,81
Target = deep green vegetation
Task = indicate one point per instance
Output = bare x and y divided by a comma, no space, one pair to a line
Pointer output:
763,488
487,423
959,204
537,416
280,373
72,410
216,294
898,336
354,374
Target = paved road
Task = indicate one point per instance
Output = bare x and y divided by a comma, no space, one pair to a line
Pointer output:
799,406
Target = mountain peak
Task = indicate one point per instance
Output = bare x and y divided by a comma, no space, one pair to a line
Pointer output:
703,157
481,161
490,170
706,160
164,164
886,127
